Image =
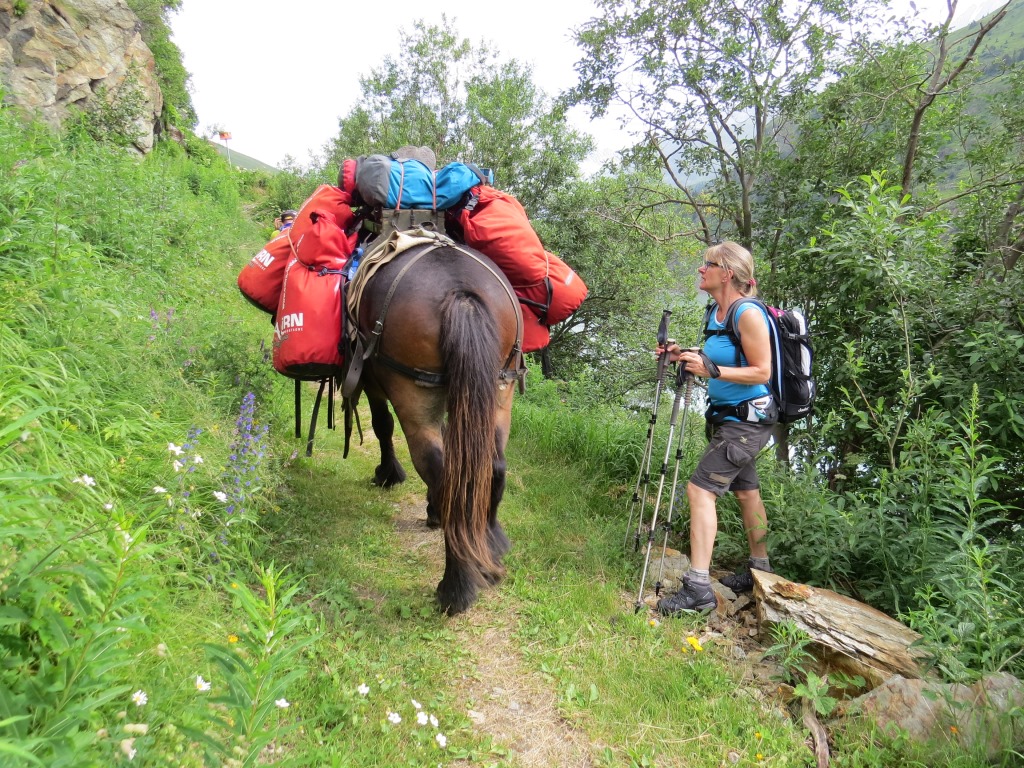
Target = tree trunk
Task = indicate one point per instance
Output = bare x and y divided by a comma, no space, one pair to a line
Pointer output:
545,363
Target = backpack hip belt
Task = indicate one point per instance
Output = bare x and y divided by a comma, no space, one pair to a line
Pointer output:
754,411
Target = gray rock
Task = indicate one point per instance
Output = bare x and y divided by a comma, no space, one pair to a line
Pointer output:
60,56
978,716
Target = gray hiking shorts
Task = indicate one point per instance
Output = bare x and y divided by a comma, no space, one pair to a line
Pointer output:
728,463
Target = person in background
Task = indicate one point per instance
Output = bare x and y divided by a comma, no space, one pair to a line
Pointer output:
282,223
286,220
740,417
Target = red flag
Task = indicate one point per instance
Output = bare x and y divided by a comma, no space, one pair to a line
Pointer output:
225,135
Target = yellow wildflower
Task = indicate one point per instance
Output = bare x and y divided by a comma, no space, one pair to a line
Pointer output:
694,643
232,638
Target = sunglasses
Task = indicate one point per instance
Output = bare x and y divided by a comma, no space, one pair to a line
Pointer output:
708,264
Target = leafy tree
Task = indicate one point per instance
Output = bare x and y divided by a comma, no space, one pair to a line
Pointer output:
610,338
462,102
905,296
947,66
171,73
712,84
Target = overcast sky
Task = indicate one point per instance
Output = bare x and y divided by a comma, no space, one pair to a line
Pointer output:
278,74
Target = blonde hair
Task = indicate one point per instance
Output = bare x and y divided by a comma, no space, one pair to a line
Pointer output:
737,258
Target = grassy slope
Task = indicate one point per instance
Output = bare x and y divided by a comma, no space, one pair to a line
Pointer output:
243,161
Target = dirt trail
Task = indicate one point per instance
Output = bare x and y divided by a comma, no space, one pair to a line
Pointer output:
503,699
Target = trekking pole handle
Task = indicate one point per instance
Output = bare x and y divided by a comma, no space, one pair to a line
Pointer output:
663,342
663,327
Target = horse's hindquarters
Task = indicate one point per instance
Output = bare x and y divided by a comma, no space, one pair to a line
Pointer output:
448,327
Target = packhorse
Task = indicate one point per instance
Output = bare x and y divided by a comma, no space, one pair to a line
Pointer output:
439,337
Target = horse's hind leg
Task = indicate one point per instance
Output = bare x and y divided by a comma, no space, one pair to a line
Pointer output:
389,472
427,456
496,538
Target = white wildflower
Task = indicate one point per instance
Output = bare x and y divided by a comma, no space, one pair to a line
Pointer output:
128,748
177,465
201,685
433,721
282,703
108,506
394,717
197,459
416,704
421,718
140,698
442,740
220,496
159,489
175,449
85,480
363,689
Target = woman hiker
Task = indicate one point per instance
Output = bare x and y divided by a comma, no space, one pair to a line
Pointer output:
740,418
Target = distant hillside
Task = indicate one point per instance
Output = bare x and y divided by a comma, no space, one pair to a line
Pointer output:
245,162
1005,44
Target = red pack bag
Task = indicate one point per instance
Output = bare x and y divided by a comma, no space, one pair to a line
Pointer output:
557,296
323,243
497,226
347,178
535,334
327,199
307,331
260,280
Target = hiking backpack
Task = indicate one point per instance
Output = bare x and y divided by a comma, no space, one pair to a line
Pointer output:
792,381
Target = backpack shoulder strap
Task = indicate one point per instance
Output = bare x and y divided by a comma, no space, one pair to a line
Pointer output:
730,316
733,330
708,333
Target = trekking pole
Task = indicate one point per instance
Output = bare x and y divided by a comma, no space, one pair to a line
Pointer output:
643,476
675,482
683,381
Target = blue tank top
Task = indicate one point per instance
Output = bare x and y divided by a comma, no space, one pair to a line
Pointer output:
722,352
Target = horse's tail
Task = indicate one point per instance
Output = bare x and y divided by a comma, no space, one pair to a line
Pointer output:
469,348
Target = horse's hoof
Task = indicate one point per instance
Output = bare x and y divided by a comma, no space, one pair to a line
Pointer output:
433,522
454,601
388,477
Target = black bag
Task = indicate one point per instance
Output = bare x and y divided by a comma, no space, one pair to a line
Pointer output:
792,381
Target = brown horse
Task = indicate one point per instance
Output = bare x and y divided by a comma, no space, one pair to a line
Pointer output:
442,330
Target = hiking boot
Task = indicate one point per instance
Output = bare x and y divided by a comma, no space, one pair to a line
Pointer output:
690,597
741,581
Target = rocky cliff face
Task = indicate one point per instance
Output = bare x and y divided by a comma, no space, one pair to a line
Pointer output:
59,54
